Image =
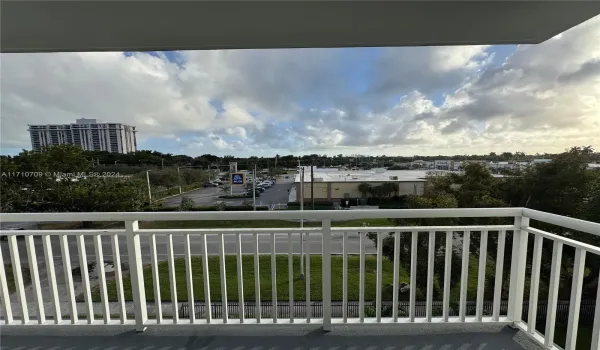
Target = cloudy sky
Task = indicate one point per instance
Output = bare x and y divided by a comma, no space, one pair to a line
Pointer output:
395,101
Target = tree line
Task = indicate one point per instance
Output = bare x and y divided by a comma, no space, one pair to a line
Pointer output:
564,187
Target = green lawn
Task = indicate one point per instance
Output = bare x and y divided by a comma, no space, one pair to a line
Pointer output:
265,279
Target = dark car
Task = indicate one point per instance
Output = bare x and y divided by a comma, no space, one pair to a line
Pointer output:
249,193
260,189
5,237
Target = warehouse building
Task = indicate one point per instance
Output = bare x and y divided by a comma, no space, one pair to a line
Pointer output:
331,184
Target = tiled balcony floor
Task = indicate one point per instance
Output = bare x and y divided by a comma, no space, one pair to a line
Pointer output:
484,337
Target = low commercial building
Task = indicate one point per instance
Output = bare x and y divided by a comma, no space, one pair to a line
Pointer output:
335,184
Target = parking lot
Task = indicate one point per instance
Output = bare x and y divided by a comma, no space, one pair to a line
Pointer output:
277,194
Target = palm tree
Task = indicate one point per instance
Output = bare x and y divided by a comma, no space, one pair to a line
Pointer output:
364,188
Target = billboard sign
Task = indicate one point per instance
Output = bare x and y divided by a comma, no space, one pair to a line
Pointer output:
237,178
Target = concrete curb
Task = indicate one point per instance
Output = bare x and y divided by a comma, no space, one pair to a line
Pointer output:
178,194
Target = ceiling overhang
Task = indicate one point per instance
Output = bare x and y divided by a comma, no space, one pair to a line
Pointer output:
49,26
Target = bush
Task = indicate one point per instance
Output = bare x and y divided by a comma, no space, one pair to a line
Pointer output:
186,204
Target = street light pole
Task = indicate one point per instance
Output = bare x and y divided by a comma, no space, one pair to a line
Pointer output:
149,191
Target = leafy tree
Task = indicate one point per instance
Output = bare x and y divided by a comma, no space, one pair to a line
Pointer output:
364,188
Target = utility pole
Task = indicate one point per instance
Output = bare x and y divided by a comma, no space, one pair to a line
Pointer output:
162,163
254,188
312,184
149,191
179,180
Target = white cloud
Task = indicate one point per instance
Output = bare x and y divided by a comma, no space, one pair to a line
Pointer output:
426,100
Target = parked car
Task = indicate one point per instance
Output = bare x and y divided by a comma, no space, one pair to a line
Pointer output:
5,237
261,189
211,184
256,192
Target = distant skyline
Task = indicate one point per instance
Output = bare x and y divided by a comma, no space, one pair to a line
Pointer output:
393,101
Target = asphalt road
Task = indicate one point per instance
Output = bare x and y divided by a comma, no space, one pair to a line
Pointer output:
313,241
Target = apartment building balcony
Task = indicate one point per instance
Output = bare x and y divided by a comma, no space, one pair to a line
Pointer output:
496,285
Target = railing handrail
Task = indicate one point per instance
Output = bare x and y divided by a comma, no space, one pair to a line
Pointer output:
264,215
564,221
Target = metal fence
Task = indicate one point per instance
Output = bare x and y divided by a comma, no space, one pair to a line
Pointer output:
586,313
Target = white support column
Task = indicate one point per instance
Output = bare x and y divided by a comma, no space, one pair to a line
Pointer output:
326,233
136,272
517,269
521,266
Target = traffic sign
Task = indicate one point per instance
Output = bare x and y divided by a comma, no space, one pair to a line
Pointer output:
237,178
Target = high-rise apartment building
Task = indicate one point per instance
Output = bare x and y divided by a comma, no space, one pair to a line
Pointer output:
90,134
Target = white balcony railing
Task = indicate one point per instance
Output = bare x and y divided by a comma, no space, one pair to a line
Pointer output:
42,304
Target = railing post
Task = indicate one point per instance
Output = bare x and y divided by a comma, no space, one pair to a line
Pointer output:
137,275
517,269
326,233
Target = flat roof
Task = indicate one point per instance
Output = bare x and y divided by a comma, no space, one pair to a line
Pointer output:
331,175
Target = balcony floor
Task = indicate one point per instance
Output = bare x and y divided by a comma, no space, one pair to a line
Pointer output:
484,337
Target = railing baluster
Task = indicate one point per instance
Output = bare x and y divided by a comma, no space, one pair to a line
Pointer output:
119,278
189,279
396,277
85,278
223,273
553,292
575,302
413,275
379,276
307,276
361,283
257,280
464,276
66,261
596,326
5,300
273,279
481,275
344,278
102,278
291,275
155,279
447,271
499,271
534,285
35,278
136,272
18,277
430,263
240,277
206,280
172,279
326,273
